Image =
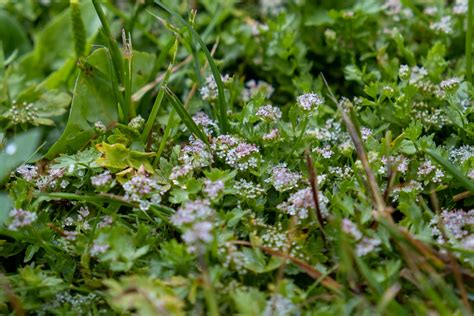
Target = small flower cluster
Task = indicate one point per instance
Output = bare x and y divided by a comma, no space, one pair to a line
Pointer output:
236,153
213,188
78,302
196,154
444,25
209,92
98,248
22,113
233,258
137,123
194,219
277,238
399,163
20,218
427,168
271,136
411,186
28,172
299,204
462,154
309,101
269,113
254,88
325,152
417,74
278,305
341,172
142,189
248,189
460,7
459,227
450,84
365,245
282,179
203,120
52,180
102,180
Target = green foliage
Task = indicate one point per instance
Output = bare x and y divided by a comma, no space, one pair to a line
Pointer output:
156,160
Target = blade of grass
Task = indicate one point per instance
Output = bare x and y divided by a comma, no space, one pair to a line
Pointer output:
451,169
115,53
223,121
184,115
166,134
159,98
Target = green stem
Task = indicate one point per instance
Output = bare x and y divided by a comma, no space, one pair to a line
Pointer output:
298,140
470,17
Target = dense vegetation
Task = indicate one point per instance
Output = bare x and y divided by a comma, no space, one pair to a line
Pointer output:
230,157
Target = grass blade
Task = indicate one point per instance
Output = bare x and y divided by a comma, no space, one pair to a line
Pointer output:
159,98
451,169
223,121
184,115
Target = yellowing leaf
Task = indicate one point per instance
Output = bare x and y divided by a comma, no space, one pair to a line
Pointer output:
117,156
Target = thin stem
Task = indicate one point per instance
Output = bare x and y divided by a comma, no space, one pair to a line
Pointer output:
300,137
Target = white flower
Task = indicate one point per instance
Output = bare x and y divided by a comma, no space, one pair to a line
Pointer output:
309,101
444,25
283,179
21,218
269,113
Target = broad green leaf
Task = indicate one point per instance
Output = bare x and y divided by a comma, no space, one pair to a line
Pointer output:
92,101
54,45
117,156
12,35
19,149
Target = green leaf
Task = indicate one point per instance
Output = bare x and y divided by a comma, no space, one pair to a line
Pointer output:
19,149
185,117
92,101
54,44
256,261
117,156
12,35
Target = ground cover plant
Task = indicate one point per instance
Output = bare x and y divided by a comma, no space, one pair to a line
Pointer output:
236,157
